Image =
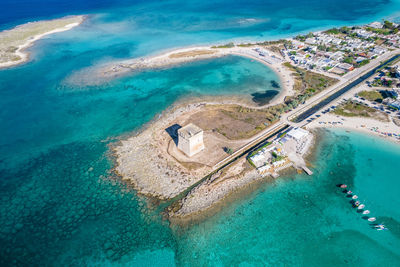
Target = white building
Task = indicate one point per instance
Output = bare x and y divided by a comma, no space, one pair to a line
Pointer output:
310,41
360,59
337,56
376,25
190,139
345,66
379,50
297,133
364,34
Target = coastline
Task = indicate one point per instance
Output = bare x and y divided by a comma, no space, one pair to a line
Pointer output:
160,175
151,141
138,148
363,125
20,49
206,199
64,202
235,194
164,176
242,183
247,183
165,59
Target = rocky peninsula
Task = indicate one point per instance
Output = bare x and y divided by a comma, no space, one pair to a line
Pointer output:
246,143
151,161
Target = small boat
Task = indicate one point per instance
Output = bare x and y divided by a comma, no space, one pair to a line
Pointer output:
354,197
366,212
343,186
380,227
361,207
349,192
357,203
372,219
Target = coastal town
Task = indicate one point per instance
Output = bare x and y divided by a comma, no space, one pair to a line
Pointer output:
342,50
205,151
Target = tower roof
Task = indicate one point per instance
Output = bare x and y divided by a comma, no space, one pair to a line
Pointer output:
189,130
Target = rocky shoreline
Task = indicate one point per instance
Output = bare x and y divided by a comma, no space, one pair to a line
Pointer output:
143,160
213,190
221,188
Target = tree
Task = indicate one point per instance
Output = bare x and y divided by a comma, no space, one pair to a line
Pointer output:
345,30
333,31
348,60
387,24
228,150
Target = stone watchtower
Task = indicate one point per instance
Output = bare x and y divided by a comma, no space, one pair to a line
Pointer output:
190,139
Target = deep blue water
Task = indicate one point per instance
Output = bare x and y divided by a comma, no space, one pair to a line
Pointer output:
60,204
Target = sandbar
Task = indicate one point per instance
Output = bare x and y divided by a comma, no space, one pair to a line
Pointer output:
14,42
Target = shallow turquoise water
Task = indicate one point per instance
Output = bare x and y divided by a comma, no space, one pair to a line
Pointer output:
306,220
59,201
60,205
53,114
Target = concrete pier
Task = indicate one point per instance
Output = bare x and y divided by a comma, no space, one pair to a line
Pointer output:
307,170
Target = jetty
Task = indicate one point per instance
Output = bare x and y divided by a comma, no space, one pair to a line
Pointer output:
307,170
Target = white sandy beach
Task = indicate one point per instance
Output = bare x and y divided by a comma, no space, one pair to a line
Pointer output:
20,51
387,130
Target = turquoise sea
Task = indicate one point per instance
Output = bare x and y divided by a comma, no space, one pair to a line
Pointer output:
59,202
302,220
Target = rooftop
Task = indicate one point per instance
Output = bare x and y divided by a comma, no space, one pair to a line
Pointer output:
297,133
189,130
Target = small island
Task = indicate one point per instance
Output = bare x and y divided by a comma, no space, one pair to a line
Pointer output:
13,42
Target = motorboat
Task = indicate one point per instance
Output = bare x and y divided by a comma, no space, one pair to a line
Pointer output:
349,192
380,227
361,207
354,197
366,212
372,219
356,203
343,186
